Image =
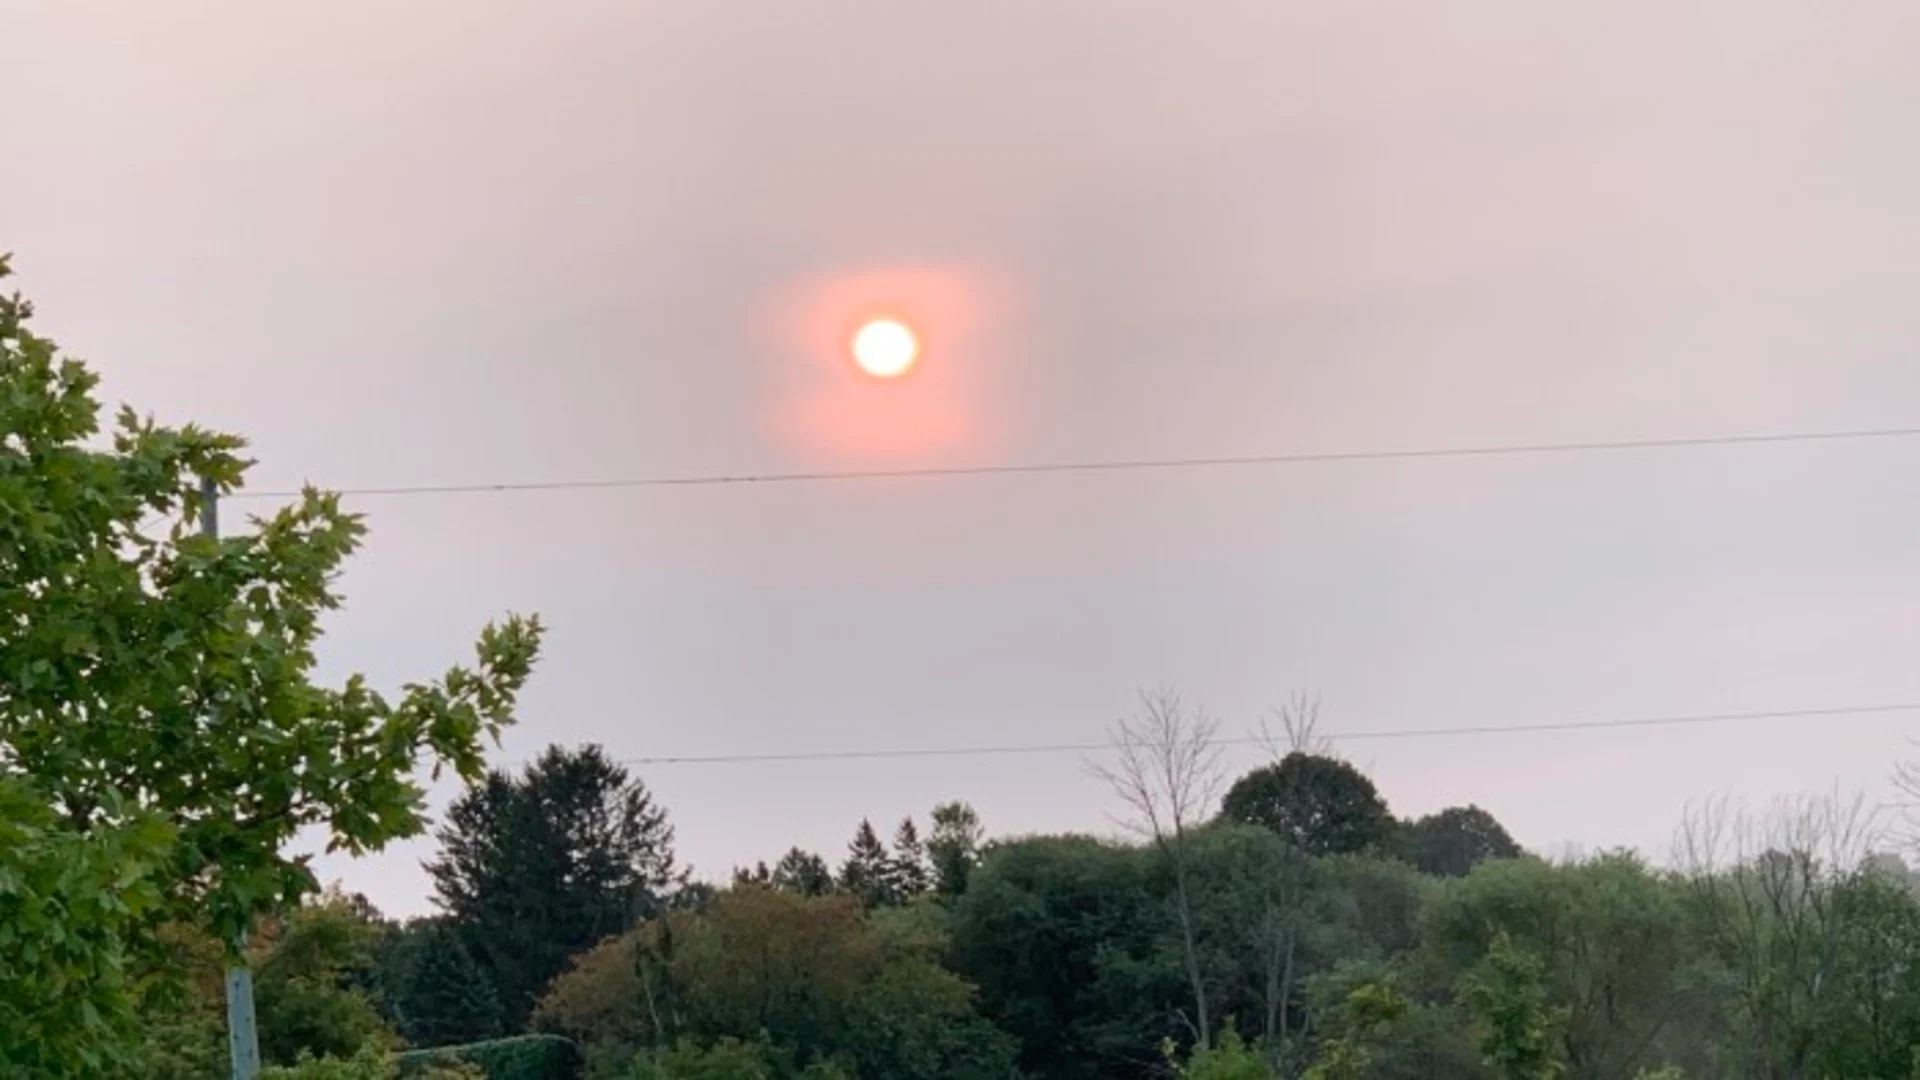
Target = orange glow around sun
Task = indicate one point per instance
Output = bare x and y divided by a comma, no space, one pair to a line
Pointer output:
881,365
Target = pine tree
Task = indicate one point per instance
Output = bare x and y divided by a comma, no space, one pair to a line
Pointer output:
865,873
803,872
537,868
759,876
907,873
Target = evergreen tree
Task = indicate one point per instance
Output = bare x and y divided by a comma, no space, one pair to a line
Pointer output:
907,873
803,872
866,874
537,868
954,847
758,876
436,995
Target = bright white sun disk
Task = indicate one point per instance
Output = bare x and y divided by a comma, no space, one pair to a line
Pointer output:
885,348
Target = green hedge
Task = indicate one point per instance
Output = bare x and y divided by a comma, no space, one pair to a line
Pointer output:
524,1057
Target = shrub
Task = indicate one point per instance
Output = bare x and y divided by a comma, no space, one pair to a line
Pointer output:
369,1064
524,1057
1229,1059
727,1059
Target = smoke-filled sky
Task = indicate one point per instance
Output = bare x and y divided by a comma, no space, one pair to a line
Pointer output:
450,242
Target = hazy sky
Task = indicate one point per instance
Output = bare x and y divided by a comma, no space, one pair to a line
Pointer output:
425,242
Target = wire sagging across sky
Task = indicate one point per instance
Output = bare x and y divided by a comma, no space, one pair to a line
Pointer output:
1835,711
1124,465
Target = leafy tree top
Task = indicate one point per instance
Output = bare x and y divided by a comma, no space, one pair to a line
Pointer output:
174,673
1520,1030
1451,842
1322,805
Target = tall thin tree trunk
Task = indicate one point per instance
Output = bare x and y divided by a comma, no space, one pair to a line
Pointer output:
1191,947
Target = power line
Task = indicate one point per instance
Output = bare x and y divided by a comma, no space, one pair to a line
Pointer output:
1351,736
1125,465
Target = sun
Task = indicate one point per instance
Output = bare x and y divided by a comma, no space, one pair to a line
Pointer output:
885,348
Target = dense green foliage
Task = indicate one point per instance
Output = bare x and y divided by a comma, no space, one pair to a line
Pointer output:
1868,1020
725,1059
435,993
70,903
1075,954
523,1057
1062,958
316,991
183,1030
1521,1033
371,1063
1608,936
1455,840
1321,805
175,673
535,868
819,978
313,990
367,1063
1228,1059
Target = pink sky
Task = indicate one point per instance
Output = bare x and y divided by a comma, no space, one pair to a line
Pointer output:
454,241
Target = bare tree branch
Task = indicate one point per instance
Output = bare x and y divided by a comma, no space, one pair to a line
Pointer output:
1166,770
1768,887
1166,767
1299,721
1906,778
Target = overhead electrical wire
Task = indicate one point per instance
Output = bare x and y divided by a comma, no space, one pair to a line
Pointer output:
1123,465
1144,464
1835,711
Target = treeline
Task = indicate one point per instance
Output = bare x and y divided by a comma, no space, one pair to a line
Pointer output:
1300,931
164,741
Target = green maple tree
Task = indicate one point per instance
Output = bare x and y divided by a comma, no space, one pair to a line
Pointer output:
161,681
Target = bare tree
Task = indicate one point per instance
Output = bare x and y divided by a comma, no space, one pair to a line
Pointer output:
1299,721
1766,886
1166,770
1906,780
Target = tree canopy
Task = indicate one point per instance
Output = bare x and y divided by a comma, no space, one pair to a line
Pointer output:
819,977
1322,805
173,674
162,734
1452,842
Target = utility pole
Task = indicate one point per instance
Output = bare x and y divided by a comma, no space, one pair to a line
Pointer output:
243,1040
